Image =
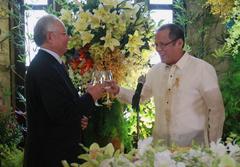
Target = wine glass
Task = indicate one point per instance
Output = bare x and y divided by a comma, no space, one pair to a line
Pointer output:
107,76
97,78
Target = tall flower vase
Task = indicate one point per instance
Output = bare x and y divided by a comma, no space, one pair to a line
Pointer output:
106,125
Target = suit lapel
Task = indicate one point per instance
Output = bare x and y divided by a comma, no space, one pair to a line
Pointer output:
60,69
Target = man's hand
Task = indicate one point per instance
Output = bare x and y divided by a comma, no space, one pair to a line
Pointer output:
96,91
84,122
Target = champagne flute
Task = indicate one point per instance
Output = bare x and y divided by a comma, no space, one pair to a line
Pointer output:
107,76
97,78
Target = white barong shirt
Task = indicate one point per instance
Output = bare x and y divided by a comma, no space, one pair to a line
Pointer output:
189,105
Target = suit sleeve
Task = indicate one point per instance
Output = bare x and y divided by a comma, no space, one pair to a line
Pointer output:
126,95
61,100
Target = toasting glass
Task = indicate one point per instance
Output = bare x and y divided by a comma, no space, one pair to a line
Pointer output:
107,76
97,78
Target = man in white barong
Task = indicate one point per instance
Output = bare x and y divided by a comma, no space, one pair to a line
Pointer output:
188,101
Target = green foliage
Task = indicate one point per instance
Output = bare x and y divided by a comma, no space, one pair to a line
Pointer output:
10,135
233,138
230,83
10,156
107,123
146,120
181,14
222,52
9,131
233,23
197,25
5,93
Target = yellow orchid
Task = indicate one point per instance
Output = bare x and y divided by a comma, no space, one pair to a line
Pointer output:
86,37
80,25
119,29
109,41
66,15
83,21
131,14
101,12
95,22
134,43
112,19
110,3
75,42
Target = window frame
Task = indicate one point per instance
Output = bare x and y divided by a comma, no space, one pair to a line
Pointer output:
159,7
19,72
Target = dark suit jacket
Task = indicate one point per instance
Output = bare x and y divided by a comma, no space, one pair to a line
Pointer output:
54,111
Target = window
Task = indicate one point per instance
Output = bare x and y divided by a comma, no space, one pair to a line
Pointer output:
31,16
36,2
161,2
160,10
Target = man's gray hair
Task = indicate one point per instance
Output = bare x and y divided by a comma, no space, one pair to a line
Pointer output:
44,25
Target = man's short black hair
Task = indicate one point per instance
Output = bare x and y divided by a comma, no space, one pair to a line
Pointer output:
175,31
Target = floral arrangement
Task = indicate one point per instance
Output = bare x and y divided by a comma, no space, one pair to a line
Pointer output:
155,155
111,35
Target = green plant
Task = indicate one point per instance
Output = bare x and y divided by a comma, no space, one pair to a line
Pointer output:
10,135
107,123
230,79
198,24
146,116
9,131
10,156
233,138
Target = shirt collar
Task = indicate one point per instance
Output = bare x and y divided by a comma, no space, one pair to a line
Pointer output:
183,61
55,55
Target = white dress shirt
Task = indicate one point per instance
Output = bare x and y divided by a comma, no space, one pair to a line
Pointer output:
189,105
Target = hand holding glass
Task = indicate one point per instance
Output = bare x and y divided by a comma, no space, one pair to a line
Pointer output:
97,78
107,76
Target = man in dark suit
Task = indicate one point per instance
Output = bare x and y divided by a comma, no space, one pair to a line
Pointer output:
54,108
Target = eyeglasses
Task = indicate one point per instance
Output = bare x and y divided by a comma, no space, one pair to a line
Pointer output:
163,45
61,33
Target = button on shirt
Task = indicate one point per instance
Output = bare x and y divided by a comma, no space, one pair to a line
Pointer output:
188,101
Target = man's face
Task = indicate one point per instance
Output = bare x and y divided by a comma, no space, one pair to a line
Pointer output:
167,48
59,39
